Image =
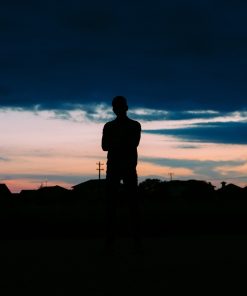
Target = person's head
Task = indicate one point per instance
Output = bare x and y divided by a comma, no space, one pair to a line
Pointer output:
119,105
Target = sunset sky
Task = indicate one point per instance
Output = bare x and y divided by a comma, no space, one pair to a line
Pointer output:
182,65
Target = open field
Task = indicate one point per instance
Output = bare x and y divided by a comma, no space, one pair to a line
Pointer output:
58,249
80,267
56,246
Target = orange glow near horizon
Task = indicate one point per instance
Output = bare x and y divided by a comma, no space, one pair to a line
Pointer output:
35,144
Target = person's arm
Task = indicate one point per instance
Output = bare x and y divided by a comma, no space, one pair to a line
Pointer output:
138,134
133,137
105,139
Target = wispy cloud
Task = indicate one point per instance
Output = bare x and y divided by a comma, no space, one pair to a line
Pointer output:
202,112
154,118
3,158
37,178
187,146
94,113
212,170
146,114
102,112
195,126
204,126
18,182
61,144
189,163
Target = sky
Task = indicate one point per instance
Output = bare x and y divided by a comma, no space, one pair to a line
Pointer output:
181,64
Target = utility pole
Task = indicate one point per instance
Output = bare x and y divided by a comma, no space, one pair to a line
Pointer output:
99,164
171,175
41,185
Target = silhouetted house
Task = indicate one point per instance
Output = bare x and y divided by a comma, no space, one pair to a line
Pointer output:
15,195
191,189
28,192
245,192
223,184
52,193
230,191
4,191
53,189
197,189
175,188
90,187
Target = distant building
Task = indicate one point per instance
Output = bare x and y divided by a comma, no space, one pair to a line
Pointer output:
4,191
190,189
53,190
28,193
51,194
89,187
230,191
223,184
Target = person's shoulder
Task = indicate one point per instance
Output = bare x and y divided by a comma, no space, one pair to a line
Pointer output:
135,123
109,123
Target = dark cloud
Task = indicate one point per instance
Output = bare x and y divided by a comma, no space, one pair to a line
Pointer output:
4,91
228,133
173,55
89,19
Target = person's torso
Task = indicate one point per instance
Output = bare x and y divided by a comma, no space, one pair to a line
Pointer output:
123,135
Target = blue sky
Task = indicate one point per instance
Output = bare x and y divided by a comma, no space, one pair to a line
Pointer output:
181,64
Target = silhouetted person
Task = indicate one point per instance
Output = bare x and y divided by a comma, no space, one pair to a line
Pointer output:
120,139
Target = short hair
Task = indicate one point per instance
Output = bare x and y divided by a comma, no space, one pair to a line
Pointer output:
119,101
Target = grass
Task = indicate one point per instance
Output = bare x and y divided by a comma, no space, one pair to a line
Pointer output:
59,267
186,246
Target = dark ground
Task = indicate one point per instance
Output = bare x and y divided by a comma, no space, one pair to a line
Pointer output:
187,247
166,265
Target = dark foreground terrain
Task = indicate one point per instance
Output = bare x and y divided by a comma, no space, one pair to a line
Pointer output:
55,246
171,265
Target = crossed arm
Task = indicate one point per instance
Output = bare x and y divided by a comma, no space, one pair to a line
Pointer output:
110,141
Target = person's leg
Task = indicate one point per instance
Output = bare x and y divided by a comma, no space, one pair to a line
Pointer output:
112,182
131,188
